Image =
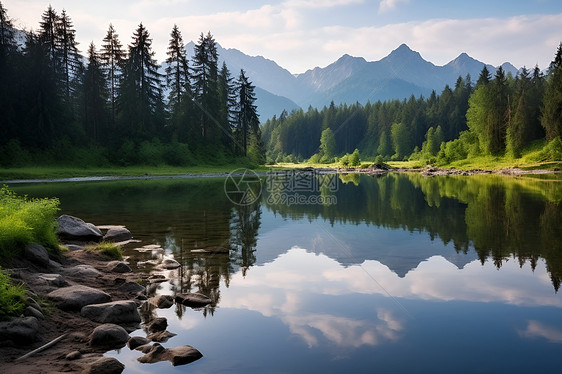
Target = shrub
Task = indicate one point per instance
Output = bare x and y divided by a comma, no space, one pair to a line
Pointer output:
12,297
24,221
344,160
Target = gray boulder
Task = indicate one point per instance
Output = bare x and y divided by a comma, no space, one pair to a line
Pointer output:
105,365
55,280
19,330
162,301
161,336
181,355
137,341
193,300
131,287
76,297
117,234
114,312
38,254
158,324
85,271
109,336
74,228
119,267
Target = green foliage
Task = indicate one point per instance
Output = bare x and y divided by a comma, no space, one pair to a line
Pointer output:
12,297
24,221
354,159
315,159
400,140
552,151
327,144
110,250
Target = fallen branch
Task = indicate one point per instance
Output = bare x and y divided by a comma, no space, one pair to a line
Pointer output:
42,348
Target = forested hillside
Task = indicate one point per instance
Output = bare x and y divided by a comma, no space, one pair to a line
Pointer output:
496,115
59,107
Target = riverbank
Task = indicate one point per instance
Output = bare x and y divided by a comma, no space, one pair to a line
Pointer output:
53,172
82,303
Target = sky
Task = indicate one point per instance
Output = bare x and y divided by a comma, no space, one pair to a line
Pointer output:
302,34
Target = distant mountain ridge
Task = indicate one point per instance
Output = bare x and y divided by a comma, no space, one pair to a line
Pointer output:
399,75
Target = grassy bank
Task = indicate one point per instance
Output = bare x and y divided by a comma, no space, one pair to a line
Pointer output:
24,221
50,172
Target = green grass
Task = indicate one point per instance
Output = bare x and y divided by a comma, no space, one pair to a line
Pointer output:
108,249
51,172
12,297
24,221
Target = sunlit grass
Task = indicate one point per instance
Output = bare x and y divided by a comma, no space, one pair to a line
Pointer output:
108,249
24,221
12,297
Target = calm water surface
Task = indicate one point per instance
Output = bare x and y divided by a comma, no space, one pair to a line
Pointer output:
403,274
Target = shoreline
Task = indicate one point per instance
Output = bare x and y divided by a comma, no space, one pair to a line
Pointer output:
428,171
61,287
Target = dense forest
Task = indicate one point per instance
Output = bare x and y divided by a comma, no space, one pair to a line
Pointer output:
117,105
498,115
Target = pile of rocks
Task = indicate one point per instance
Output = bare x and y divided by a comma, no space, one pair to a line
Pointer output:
104,297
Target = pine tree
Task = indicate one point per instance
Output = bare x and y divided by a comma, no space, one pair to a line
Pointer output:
484,77
48,37
9,80
248,123
205,85
41,106
177,71
551,118
7,42
112,57
94,97
227,105
140,92
67,46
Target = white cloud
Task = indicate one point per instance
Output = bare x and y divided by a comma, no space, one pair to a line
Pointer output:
387,5
317,4
536,329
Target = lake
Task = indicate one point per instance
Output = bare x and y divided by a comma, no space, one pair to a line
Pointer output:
346,274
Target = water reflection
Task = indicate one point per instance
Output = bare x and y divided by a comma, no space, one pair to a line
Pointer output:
448,269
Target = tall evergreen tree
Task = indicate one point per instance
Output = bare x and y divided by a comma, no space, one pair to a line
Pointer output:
48,37
551,118
112,57
140,91
67,46
7,42
42,107
94,100
8,77
177,70
178,82
248,123
484,77
227,105
205,84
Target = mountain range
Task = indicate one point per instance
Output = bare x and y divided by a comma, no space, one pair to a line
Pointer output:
399,75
